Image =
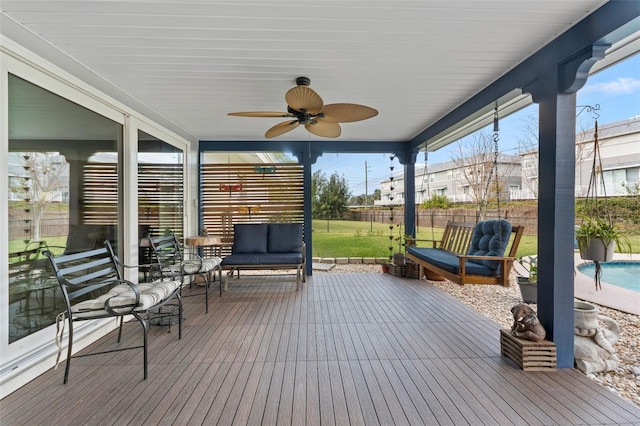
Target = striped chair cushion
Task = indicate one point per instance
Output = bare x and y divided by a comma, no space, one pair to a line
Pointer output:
201,265
123,296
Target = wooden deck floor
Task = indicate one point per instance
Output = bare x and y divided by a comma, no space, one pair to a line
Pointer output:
361,349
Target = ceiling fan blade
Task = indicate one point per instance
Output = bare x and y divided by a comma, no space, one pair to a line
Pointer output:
302,98
326,129
260,114
346,113
282,128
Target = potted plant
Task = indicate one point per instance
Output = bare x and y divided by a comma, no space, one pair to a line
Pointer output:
527,270
597,239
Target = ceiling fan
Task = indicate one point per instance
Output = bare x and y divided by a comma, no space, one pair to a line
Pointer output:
305,106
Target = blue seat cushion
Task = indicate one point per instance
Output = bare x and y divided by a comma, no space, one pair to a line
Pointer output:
490,238
449,261
284,238
262,259
249,238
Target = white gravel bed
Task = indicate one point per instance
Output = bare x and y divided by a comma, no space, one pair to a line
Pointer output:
495,302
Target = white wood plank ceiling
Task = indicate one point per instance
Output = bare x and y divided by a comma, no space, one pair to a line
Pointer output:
194,61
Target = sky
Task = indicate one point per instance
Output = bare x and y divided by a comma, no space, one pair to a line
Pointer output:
616,89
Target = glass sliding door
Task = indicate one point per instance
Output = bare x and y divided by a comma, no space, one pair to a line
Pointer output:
64,196
160,188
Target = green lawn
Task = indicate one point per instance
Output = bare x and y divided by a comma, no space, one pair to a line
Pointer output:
55,244
363,239
341,238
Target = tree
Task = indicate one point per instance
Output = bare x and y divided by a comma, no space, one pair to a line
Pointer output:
528,145
40,184
357,200
474,161
364,200
318,182
330,197
528,148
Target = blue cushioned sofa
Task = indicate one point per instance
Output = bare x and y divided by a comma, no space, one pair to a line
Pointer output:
267,246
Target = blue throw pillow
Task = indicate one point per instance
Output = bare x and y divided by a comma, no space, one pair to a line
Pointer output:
250,238
490,238
285,238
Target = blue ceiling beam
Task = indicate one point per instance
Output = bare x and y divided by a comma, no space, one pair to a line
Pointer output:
315,148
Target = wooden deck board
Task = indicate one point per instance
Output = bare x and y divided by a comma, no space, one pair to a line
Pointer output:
509,394
270,415
395,385
378,398
472,413
260,394
360,349
299,408
430,409
532,390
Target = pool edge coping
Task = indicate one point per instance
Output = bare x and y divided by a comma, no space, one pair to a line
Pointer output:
611,296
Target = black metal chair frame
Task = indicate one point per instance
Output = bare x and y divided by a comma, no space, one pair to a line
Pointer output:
169,260
86,274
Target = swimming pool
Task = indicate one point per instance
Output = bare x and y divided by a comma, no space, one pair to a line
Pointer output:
625,274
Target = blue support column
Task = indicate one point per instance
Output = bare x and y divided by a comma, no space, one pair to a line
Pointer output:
556,211
554,90
408,160
410,199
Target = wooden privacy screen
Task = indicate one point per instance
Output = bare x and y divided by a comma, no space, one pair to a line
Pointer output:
250,193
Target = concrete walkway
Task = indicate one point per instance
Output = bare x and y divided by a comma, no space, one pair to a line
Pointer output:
610,296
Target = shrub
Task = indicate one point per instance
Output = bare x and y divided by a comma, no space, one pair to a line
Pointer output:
437,202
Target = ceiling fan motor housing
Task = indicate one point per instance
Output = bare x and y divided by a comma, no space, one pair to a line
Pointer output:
304,117
303,81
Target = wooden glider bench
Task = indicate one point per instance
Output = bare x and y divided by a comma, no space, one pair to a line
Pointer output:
267,246
93,288
471,253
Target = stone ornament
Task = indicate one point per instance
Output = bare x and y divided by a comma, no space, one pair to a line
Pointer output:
593,342
526,324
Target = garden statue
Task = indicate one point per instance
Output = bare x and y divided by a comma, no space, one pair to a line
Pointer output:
593,344
526,324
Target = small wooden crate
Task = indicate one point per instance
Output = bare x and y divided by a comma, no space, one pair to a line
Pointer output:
530,356
397,270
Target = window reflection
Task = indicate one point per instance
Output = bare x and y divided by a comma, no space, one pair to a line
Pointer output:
63,195
160,189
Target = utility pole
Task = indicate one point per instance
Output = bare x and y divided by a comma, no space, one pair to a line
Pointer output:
366,185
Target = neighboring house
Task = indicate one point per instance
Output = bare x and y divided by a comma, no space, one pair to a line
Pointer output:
619,144
449,180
